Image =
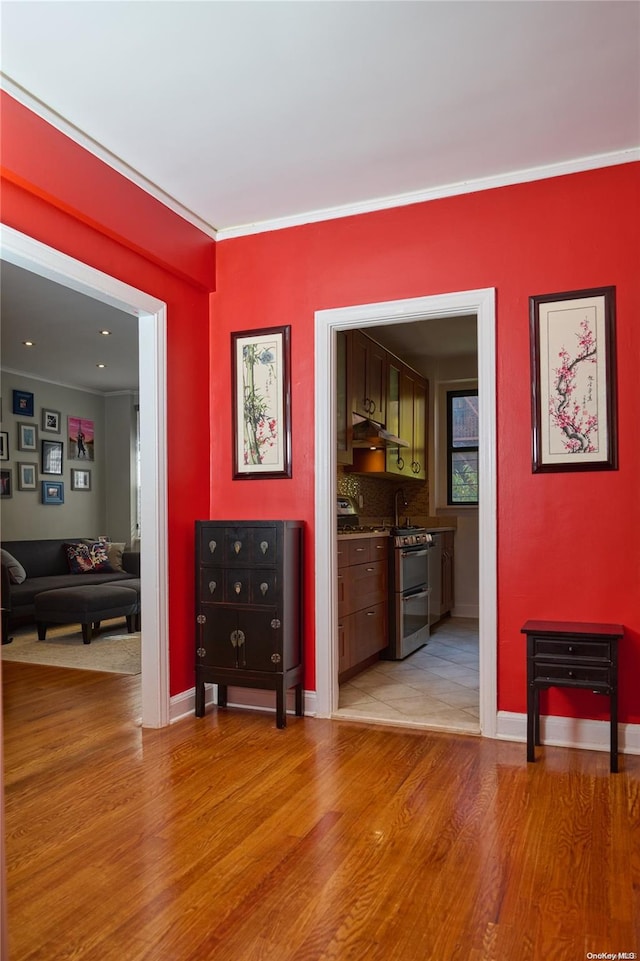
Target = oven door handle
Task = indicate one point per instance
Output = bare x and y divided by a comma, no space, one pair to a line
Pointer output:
420,553
413,597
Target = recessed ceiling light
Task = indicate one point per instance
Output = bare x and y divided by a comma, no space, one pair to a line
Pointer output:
101,365
29,343
105,333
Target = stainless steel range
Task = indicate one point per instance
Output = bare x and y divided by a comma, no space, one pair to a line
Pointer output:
409,592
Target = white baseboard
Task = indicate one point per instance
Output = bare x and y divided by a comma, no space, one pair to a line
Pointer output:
581,733
242,697
570,732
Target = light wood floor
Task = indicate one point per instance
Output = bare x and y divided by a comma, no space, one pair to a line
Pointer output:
224,838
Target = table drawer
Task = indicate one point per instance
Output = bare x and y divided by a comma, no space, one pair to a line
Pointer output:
560,647
552,672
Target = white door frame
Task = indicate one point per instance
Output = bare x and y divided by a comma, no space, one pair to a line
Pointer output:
150,314
480,303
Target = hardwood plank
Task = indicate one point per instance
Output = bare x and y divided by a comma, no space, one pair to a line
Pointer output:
224,838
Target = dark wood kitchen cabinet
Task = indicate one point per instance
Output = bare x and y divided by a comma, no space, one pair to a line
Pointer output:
363,608
249,619
369,377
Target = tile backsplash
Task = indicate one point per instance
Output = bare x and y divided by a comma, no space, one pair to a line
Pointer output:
378,495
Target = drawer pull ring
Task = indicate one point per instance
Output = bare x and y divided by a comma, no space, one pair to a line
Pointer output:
570,649
212,587
264,587
201,618
212,546
237,638
201,652
276,623
264,546
237,586
237,546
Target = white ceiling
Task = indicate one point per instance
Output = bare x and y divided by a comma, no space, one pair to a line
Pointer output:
248,113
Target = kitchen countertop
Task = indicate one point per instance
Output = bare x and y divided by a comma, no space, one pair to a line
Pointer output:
386,532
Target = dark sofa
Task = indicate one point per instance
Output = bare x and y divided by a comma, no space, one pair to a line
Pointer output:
47,569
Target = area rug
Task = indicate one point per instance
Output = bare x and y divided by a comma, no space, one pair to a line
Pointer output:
110,650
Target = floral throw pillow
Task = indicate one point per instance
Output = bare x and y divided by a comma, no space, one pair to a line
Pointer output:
88,558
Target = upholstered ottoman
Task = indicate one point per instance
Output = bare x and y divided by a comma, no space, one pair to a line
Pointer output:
87,605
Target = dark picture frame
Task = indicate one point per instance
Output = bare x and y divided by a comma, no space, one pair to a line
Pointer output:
50,420
51,456
52,492
23,403
80,479
261,367
574,384
27,476
6,482
4,445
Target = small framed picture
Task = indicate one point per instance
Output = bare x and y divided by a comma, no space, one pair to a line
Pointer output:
6,482
27,476
27,437
50,420
4,445
52,492
80,479
23,403
52,456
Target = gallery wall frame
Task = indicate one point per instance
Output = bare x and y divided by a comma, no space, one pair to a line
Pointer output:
80,479
27,437
80,432
51,457
27,476
50,420
6,482
23,403
4,445
261,368
52,492
574,383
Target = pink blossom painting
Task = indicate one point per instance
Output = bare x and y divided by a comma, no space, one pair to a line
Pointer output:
573,372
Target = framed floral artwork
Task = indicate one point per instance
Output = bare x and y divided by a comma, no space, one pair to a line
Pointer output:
261,363
573,370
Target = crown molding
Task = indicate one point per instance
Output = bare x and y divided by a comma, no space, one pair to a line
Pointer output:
510,178
92,146
436,193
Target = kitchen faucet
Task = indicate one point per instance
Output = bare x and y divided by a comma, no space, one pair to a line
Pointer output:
405,503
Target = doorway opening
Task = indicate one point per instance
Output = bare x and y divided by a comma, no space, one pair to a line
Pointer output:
150,315
480,303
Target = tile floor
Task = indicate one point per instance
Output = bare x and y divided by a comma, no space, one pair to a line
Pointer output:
436,687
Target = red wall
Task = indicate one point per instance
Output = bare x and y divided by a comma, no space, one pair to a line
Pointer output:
61,195
567,544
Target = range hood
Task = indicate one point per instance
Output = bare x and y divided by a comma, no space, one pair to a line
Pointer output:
368,433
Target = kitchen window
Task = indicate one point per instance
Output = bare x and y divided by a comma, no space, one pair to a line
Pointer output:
462,447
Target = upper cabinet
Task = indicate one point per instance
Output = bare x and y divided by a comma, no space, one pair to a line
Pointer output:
343,397
385,389
369,377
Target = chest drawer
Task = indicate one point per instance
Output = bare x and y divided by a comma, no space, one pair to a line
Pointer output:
580,673
566,648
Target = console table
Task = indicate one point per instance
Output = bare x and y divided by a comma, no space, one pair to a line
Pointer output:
569,654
